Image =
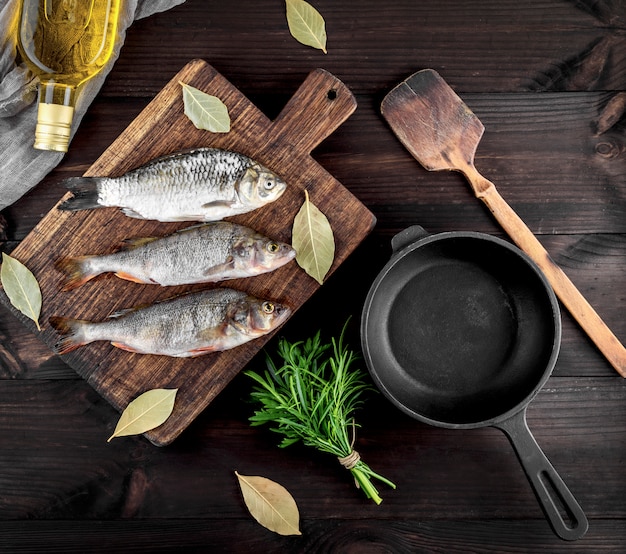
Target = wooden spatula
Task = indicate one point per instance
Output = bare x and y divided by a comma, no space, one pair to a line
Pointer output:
442,133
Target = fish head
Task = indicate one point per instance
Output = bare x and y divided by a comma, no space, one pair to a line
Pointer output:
257,317
259,186
267,254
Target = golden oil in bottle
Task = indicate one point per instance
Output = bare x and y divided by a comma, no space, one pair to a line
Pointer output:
65,43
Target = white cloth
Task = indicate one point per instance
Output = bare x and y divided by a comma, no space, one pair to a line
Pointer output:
21,165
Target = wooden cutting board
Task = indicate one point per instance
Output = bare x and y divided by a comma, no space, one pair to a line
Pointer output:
318,107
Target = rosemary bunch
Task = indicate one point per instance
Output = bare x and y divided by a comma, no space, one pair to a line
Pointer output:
311,397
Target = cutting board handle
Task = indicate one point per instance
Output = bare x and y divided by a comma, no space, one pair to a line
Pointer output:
319,106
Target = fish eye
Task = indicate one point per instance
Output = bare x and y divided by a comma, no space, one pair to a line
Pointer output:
269,185
268,307
272,247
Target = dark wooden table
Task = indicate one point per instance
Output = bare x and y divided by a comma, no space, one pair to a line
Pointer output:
543,76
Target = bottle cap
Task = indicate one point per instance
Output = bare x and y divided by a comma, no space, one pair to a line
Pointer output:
54,122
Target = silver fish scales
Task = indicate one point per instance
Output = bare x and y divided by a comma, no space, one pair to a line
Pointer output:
203,184
184,326
203,253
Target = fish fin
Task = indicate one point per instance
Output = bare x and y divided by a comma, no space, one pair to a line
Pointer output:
216,270
218,204
129,277
183,218
195,226
136,242
202,350
123,312
132,213
68,329
73,270
85,191
126,348
177,155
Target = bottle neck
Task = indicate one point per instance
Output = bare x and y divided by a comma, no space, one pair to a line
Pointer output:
55,115
51,92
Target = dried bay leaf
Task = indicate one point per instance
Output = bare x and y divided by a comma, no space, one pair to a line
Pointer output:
270,504
205,111
21,287
146,412
306,24
313,240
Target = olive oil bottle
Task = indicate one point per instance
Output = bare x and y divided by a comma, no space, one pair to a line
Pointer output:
65,43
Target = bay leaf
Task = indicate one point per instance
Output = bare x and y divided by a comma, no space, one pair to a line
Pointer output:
306,24
205,111
146,412
270,504
21,287
313,240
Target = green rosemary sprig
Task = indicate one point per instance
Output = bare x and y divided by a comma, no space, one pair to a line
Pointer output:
311,397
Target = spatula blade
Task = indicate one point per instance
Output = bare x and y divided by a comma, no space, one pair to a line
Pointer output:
432,122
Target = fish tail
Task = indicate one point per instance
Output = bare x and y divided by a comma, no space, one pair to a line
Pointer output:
75,272
85,191
70,331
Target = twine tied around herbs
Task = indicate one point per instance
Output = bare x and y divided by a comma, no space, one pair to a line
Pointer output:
351,460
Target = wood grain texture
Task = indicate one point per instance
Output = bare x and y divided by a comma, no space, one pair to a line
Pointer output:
320,536
542,45
320,105
571,418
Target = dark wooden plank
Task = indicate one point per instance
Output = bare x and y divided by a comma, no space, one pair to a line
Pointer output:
538,45
56,463
539,150
24,356
55,420
319,536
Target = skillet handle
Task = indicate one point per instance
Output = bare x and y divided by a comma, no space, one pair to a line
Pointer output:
555,498
407,237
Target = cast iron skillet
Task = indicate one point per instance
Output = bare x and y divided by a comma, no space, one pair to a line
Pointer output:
461,330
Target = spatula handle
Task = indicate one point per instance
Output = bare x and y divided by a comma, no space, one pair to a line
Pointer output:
567,292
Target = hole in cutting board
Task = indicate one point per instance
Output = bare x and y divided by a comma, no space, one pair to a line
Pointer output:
331,94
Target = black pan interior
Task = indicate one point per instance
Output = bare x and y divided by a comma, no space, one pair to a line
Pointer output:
460,330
